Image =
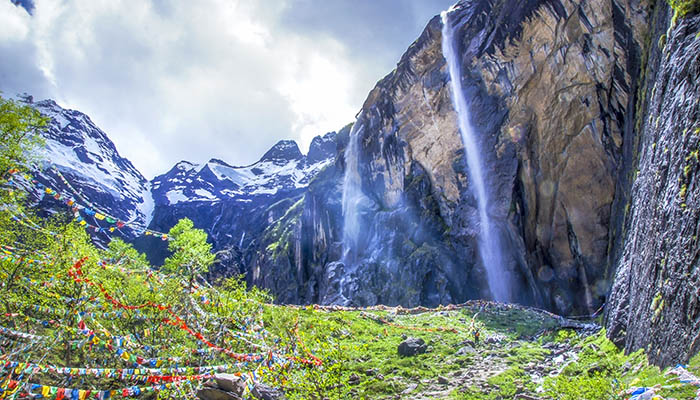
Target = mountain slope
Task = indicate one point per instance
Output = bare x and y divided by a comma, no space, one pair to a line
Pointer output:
235,204
87,158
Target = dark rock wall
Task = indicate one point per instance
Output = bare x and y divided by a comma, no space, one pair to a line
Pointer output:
551,86
654,303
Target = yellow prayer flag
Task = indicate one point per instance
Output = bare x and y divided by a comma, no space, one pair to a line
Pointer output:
99,216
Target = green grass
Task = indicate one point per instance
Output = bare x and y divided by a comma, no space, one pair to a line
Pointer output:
361,359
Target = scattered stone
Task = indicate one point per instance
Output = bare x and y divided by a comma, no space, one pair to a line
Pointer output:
354,379
626,367
442,380
492,340
264,392
230,383
525,397
411,387
371,372
412,346
209,393
466,350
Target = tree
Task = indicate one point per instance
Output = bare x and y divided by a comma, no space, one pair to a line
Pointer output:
19,134
191,253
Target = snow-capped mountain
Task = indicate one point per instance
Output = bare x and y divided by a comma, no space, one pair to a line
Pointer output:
92,166
233,204
282,169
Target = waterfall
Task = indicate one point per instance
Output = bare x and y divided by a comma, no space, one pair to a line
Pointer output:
352,195
489,241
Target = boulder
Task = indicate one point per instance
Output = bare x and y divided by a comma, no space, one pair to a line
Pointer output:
465,350
209,393
264,392
412,346
230,383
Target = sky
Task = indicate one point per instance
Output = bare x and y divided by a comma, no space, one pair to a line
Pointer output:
168,80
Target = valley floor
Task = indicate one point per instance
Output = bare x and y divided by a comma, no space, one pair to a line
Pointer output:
521,353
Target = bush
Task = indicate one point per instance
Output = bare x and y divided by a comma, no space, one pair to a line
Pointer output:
685,7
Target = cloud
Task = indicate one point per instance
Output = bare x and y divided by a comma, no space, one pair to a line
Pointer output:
168,80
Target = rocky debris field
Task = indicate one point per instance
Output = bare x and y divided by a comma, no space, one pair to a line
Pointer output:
478,350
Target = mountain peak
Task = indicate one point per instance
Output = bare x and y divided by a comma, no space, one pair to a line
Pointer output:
322,148
219,161
284,150
186,165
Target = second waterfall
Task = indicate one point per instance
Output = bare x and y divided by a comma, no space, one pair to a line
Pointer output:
490,250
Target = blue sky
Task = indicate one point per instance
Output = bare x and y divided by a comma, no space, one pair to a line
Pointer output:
225,79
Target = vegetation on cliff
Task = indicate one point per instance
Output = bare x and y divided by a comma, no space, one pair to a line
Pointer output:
685,7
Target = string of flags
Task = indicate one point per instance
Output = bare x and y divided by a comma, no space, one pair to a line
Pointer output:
61,393
118,314
101,215
76,207
78,276
26,221
156,373
122,373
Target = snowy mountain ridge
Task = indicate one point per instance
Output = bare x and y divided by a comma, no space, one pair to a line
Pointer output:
282,169
88,159
83,153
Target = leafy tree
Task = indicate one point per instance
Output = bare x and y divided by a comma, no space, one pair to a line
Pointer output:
20,125
124,254
192,254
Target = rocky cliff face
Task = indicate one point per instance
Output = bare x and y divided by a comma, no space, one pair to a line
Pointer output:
551,89
655,300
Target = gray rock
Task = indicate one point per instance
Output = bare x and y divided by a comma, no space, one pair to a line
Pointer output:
264,392
442,380
354,379
492,340
655,293
230,383
412,346
208,393
465,350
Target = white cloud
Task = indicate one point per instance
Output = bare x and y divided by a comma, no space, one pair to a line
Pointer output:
171,80
13,24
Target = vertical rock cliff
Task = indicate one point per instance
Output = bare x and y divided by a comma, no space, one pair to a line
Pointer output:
551,86
655,300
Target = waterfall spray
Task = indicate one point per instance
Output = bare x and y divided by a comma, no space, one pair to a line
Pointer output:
489,242
352,195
